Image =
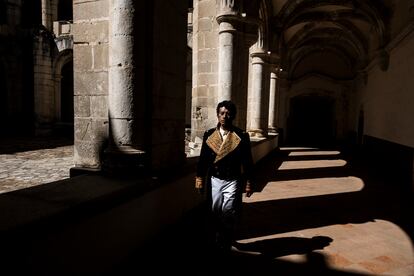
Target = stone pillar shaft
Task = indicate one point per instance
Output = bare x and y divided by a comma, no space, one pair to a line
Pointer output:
121,72
47,14
258,113
225,70
273,103
122,94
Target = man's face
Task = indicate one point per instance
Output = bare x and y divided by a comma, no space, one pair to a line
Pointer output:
224,117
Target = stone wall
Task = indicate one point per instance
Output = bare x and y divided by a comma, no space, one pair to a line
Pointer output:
205,67
90,31
387,98
144,86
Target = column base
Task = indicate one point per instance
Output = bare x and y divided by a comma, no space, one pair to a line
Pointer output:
76,171
272,130
258,133
123,161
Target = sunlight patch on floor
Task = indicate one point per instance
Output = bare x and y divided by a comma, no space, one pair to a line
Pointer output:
316,153
307,187
297,148
377,247
312,164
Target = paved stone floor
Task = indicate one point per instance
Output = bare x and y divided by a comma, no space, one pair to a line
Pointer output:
315,213
26,162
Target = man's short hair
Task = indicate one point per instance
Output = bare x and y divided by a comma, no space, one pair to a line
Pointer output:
229,105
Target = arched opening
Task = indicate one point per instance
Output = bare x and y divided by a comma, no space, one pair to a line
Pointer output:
3,94
311,121
65,10
66,94
64,99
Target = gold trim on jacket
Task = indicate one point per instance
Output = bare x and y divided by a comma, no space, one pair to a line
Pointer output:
215,142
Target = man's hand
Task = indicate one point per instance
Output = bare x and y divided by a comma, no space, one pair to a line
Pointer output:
199,185
248,190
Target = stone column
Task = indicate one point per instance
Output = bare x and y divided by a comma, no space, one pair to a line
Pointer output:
273,102
258,99
47,19
227,20
124,153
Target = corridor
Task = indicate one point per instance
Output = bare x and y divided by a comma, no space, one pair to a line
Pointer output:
316,212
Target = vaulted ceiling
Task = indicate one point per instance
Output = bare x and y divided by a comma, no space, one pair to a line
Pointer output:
334,38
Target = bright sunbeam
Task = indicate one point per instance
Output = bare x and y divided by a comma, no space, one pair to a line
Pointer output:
309,187
316,153
377,247
297,148
312,164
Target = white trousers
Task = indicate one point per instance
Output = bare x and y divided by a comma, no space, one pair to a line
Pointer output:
224,196
226,200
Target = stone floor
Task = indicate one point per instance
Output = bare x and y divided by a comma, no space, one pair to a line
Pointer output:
27,162
315,213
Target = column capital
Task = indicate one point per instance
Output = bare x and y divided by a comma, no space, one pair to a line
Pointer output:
228,7
231,19
227,23
259,56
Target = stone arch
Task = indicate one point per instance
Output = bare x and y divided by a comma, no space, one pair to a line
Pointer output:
63,75
263,32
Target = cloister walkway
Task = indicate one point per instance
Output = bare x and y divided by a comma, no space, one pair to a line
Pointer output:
317,212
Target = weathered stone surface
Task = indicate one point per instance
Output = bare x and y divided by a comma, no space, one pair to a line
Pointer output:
91,83
82,106
85,10
99,106
82,58
88,154
90,32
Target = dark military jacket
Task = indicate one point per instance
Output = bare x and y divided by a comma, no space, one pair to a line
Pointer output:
228,160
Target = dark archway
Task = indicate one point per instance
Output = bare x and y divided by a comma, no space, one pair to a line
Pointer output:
66,94
3,94
311,121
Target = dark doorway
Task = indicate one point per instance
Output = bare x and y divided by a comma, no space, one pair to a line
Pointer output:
311,121
66,96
